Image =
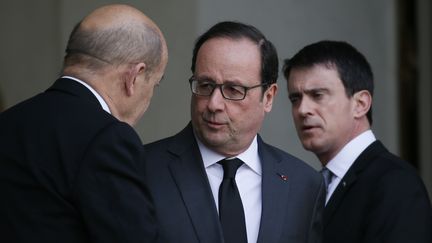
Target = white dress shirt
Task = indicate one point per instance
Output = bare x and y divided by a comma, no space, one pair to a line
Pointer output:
248,179
98,97
340,164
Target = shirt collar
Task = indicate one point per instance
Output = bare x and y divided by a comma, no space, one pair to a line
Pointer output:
340,164
95,93
250,156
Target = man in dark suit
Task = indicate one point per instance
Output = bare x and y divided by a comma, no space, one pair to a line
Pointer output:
70,162
372,195
272,197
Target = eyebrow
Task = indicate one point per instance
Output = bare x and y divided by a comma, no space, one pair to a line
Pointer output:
204,78
294,95
314,90
307,91
208,79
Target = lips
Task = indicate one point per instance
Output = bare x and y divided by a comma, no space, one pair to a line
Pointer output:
212,121
308,128
214,124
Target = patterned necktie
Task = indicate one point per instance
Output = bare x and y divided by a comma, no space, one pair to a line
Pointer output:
231,212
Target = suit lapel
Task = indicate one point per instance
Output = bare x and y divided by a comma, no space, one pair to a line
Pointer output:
365,158
191,179
275,187
337,196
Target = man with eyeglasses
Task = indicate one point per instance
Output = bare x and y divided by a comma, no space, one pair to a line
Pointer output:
217,181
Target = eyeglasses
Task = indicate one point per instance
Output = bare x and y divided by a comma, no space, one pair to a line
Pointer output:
229,91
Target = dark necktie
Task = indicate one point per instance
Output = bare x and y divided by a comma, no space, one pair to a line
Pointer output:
328,176
231,212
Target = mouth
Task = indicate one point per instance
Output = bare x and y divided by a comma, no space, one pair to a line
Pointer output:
308,128
214,124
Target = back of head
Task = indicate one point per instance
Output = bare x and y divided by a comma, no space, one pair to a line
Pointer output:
121,54
353,68
114,35
236,31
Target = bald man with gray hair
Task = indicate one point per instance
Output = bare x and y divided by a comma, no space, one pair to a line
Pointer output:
70,162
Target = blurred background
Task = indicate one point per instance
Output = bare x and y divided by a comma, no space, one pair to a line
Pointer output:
394,35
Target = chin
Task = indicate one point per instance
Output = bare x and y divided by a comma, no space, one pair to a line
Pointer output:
213,140
311,146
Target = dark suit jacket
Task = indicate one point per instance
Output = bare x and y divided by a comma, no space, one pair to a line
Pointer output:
70,172
185,208
380,199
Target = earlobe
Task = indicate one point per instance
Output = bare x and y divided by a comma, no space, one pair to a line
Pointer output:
269,95
363,102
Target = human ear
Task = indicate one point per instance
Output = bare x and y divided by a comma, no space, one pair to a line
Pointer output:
132,74
269,95
362,103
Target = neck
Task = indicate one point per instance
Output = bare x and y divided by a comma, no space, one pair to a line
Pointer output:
115,106
107,89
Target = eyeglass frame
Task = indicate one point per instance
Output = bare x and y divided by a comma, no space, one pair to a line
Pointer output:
221,86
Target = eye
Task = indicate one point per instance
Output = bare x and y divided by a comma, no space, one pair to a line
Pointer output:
317,95
234,89
294,98
205,85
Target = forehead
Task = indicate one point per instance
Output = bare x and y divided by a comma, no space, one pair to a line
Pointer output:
317,76
228,44
226,58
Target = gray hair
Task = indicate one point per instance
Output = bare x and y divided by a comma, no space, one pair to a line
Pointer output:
128,43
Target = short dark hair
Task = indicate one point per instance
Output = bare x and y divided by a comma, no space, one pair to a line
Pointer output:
353,68
134,42
235,31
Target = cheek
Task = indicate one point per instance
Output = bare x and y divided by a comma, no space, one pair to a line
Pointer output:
295,115
195,104
198,106
252,114
294,112
335,119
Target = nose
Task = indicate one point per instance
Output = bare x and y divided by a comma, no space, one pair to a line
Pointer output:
216,100
304,107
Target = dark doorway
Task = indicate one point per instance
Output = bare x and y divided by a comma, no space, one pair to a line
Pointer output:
408,80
